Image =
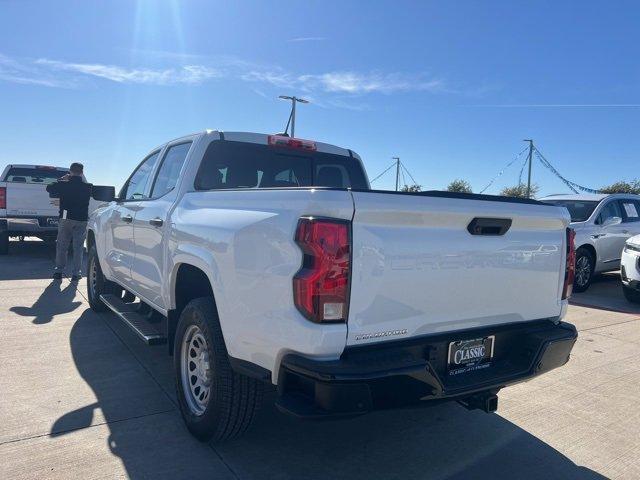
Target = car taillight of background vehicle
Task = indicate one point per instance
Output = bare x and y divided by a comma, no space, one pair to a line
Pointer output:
3,197
321,286
570,269
288,142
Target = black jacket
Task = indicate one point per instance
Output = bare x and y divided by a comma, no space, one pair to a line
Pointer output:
74,196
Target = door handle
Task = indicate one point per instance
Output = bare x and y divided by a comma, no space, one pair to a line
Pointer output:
127,219
625,231
156,222
598,235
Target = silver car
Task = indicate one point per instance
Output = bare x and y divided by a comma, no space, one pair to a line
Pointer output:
602,223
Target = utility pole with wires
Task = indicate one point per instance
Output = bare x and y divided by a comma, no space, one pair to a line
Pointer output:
401,169
530,162
397,159
292,115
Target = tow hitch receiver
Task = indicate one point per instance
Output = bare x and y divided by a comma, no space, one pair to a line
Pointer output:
487,402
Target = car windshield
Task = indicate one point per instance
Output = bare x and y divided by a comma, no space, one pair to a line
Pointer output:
37,175
580,210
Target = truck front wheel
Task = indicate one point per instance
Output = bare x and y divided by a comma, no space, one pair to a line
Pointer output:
97,284
216,402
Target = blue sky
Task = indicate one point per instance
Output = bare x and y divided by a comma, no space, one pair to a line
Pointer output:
450,87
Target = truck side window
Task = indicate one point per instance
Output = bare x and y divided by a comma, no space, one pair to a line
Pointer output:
136,186
610,210
169,171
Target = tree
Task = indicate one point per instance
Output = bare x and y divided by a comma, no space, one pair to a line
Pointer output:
622,187
519,191
459,185
411,188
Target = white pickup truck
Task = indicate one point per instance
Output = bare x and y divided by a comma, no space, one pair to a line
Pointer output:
262,258
25,207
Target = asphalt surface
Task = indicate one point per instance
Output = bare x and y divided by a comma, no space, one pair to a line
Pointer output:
81,397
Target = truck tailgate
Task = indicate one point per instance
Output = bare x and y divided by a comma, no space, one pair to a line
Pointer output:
417,269
27,199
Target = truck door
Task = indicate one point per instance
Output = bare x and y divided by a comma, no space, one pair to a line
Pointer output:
121,241
152,226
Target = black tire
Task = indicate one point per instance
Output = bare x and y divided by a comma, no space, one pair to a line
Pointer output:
631,295
231,399
98,285
584,260
4,243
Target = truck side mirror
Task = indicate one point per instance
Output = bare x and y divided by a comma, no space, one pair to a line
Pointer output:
103,193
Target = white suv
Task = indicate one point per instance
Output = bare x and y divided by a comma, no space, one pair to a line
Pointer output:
602,223
630,269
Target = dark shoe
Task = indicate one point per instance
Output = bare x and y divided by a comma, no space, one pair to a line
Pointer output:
76,278
57,276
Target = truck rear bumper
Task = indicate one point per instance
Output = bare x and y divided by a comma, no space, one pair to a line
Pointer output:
32,225
415,371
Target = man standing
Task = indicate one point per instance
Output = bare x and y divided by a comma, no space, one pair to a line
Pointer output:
74,195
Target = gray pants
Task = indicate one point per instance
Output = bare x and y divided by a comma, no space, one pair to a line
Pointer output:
70,230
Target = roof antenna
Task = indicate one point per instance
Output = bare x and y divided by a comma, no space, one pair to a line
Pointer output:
292,115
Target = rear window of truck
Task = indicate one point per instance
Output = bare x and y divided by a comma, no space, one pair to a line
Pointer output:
232,165
33,175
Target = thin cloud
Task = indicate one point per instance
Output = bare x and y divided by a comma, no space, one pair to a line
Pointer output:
13,71
355,83
188,74
307,39
337,89
345,82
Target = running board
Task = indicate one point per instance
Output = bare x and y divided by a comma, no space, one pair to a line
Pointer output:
128,313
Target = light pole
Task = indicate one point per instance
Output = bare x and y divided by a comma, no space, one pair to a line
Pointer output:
397,159
530,161
292,116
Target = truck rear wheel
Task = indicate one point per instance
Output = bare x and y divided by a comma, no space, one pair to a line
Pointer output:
97,284
216,403
4,243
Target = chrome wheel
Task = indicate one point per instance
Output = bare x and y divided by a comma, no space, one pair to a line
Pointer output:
195,370
583,271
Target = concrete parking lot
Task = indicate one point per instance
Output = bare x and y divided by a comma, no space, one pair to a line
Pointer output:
81,397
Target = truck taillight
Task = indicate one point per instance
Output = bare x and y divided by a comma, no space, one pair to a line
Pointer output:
321,286
570,269
3,197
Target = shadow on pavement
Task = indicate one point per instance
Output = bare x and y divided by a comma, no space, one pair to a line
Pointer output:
28,260
145,430
605,293
442,442
54,300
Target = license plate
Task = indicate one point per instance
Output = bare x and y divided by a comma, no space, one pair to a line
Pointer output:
52,222
469,355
